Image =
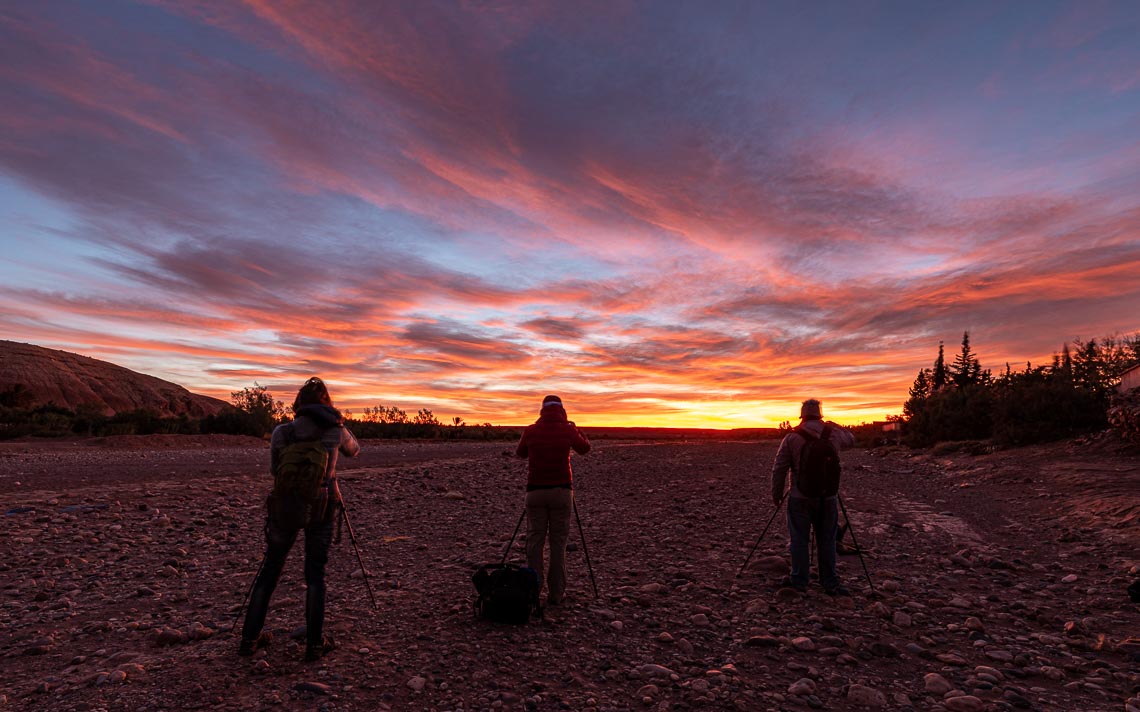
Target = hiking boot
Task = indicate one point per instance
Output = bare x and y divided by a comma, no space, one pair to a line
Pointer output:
787,582
837,590
249,647
316,652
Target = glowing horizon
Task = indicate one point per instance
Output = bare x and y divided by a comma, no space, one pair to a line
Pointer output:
670,215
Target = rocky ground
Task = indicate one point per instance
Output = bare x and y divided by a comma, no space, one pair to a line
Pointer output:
999,583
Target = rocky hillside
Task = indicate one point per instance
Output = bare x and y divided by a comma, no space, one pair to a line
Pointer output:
70,380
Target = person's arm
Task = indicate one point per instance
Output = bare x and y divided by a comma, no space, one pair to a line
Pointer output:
522,450
348,443
278,441
578,441
840,437
780,467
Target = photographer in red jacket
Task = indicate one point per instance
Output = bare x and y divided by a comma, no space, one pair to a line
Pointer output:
549,490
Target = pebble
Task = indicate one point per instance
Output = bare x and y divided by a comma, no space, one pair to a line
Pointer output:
803,643
317,688
417,683
803,686
935,684
866,696
648,691
964,703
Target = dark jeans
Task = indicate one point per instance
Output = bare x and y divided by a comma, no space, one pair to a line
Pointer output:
318,539
822,514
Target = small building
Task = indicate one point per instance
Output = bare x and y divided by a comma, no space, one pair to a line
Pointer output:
1129,379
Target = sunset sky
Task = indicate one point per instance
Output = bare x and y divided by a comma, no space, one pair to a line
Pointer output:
669,213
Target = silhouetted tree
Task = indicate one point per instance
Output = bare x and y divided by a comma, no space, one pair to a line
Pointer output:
966,370
938,377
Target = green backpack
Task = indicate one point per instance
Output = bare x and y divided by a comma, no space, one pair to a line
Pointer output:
299,497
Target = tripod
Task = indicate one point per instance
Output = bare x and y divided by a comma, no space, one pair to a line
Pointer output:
761,537
352,538
858,549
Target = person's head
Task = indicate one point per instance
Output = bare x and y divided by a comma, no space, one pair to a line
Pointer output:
314,392
552,408
811,410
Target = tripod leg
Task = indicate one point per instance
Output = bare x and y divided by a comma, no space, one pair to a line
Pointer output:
586,551
359,560
512,541
248,594
761,537
858,549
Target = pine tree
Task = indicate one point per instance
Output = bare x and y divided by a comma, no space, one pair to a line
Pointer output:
966,369
919,392
938,378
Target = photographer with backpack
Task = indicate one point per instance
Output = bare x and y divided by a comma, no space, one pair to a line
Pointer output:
549,490
303,457
811,452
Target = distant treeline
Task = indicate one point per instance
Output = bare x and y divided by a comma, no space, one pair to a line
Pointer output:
962,401
253,412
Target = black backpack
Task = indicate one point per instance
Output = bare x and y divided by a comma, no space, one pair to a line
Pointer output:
508,593
819,469
299,496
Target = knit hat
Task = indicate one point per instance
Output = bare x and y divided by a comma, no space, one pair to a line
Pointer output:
551,400
811,410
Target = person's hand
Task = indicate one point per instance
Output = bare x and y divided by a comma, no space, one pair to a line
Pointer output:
776,500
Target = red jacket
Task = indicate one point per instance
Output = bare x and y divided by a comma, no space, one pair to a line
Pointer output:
546,445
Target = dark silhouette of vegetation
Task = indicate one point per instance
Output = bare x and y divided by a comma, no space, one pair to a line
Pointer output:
1038,404
53,421
391,422
254,412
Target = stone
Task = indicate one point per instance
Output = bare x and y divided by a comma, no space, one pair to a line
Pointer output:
416,683
803,644
652,670
648,691
804,686
169,636
964,703
935,684
866,696
317,688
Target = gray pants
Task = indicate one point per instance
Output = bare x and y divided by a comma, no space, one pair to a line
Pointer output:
548,512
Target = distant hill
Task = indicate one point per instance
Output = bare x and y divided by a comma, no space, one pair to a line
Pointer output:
48,376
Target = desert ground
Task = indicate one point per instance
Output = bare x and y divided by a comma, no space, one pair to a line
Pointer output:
999,582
